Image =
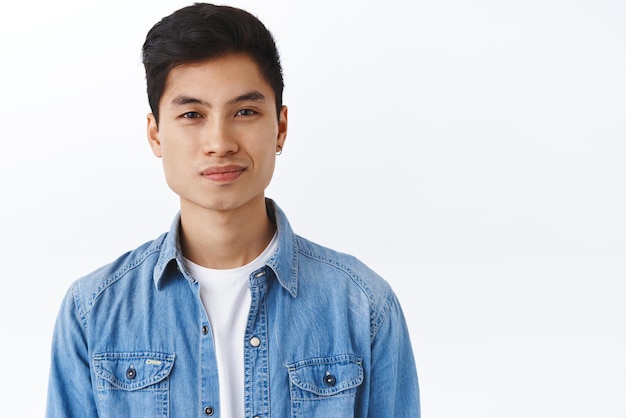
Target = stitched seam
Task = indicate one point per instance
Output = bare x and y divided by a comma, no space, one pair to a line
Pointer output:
121,272
378,321
355,278
78,307
374,321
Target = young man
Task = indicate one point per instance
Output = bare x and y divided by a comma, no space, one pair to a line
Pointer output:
229,314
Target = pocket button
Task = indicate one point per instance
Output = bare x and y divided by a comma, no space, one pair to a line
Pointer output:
131,373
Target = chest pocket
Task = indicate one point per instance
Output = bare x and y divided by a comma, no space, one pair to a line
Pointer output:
133,384
324,386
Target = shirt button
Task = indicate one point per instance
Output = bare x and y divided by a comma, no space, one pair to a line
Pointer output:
209,410
131,373
205,329
255,341
330,380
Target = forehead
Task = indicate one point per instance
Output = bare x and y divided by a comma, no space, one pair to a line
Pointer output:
218,79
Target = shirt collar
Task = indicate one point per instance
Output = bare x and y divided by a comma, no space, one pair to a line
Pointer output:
284,263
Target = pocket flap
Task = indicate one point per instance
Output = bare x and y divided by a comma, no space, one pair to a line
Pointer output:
327,376
132,371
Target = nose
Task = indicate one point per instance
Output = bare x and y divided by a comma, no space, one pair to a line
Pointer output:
218,139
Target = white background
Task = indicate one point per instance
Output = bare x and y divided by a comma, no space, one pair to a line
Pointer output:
472,152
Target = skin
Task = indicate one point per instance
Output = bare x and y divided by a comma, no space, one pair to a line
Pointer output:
217,136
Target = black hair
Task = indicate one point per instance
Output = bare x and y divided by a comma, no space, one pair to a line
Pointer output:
202,32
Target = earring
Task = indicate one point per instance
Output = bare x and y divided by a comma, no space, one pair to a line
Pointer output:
280,150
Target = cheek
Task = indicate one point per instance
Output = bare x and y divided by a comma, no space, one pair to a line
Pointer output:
174,161
266,155
168,170
177,150
268,167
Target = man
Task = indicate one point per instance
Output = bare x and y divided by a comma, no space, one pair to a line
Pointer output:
229,314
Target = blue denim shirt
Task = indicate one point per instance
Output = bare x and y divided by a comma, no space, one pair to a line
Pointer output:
325,337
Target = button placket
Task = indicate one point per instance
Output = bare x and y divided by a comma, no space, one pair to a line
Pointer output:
256,355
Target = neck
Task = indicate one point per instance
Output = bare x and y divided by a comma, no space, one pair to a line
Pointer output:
225,239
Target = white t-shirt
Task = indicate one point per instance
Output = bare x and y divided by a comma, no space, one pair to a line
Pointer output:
226,298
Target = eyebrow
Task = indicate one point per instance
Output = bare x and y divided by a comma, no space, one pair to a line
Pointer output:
184,99
252,95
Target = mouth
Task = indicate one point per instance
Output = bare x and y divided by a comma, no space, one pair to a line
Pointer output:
223,174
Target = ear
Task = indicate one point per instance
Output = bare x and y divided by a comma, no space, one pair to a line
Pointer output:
153,135
282,127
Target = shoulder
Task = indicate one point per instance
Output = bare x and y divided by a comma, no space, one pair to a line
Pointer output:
340,266
334,275
138,262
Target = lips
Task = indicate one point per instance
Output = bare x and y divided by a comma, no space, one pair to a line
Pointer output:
223,174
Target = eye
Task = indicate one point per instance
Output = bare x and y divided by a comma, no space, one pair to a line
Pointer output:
245,112
191,115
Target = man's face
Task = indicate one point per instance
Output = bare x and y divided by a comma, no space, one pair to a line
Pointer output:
218,133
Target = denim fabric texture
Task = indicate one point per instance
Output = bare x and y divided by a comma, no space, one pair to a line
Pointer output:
325,337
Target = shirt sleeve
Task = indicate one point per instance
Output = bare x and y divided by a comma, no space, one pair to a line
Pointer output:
394,390
70,392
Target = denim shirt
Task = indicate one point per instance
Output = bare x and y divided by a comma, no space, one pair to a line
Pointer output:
325,337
